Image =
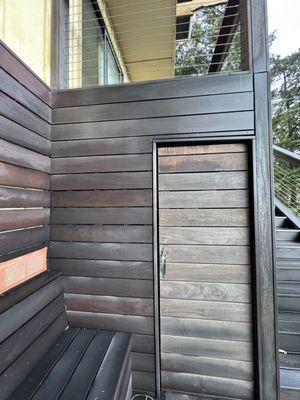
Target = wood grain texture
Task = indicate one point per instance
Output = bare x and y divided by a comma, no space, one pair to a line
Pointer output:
155,108
23,198
21,239
17,219
11,175
105,198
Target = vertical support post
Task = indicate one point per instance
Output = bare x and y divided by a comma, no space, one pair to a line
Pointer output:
59,43
267,374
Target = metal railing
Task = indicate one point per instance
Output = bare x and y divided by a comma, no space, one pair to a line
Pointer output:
287,178
109,42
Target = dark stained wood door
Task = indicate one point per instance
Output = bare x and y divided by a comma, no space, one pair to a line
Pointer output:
205,271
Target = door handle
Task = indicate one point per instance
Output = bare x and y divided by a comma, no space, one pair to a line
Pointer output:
163,258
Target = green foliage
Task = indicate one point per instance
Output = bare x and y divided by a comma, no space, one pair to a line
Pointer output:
285,75
193,56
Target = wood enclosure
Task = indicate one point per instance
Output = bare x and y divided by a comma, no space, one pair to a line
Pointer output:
92,155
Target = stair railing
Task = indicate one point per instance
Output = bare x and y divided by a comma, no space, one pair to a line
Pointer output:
287,178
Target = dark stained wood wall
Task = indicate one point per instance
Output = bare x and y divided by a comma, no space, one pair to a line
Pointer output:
25,128
101,221
31,320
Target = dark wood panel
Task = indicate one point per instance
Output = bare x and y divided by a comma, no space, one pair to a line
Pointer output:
12,347
207,217
203,163
194,86
16,240
125,323
23,96
155,108
143,343
21,136
102,251
208,385
209,329
23,198
16,373
123,163
232,350
109,304
13,318
144,381
205,199
143,362
94,181
103,269
13,219
17,155
16,112
209,254
202,149
204,181
16,68
205,235
224,122
238,312
105,198
209,273
11,175
111,216
208,366
226,292
108,286
98,147
100,233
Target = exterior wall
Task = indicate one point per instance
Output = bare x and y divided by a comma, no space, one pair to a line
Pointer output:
25,26
25,127
101,233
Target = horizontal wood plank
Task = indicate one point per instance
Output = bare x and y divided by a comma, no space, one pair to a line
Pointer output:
206,217
105,198
17,155
109,304
116,163
223,122
108,286
125,323
100,233
163,89
15,133
103,269
110,216
226,292
202,149
204,181
11,175
15,219
155,108
205,235
235,312
23,198
102,251
94,181
21,239
204,199
16,112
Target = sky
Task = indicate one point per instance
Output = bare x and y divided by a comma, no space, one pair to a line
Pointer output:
284,17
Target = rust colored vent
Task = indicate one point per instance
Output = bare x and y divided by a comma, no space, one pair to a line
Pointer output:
20,269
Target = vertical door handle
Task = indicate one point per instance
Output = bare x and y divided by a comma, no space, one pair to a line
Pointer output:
163,259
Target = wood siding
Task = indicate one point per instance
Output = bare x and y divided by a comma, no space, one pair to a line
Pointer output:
25,147
206,319
101,222
29,327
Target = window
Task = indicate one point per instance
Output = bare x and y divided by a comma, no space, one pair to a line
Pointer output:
92,58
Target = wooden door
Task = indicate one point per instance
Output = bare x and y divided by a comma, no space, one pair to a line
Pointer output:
205,271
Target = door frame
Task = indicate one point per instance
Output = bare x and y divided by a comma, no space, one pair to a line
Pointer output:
259,313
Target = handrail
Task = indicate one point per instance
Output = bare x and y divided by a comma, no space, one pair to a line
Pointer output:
286,155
